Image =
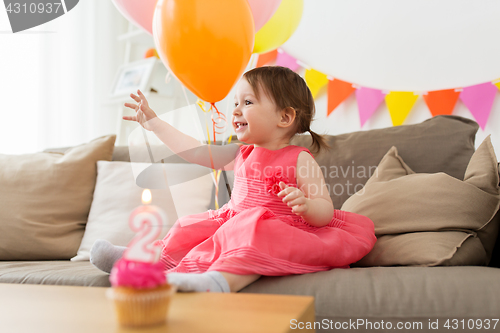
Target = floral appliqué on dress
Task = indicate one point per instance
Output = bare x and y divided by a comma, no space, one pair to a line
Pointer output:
273,182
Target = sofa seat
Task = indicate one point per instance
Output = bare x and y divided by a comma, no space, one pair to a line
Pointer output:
60,272
402,291
340,294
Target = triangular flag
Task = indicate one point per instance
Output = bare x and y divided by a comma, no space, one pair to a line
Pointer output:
315,81
497,84
400,104
479,100
266,58
368,101
286,60
441,102
338,91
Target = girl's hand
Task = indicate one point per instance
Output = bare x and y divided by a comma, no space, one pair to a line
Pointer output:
294,198
144,114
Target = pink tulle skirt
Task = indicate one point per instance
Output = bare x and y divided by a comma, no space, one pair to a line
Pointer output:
256,241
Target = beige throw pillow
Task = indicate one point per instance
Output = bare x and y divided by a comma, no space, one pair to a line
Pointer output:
430,219
45,199
116,195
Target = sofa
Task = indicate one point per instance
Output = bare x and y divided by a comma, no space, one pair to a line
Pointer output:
438,270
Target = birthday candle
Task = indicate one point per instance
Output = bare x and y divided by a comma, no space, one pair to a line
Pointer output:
147,222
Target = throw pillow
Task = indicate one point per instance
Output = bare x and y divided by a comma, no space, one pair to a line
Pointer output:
422,219
117,194
45,200
439,144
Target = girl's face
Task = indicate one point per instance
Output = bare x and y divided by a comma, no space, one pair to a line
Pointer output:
254,120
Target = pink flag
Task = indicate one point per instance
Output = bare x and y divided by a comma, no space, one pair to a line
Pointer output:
286,60
368,101
479,100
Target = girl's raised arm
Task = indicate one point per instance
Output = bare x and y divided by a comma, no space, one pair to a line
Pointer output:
187,147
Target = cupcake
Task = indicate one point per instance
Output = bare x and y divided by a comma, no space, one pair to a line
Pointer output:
140,293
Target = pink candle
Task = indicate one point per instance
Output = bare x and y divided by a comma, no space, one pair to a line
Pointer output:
147,222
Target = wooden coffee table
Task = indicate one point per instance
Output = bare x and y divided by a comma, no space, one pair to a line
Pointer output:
54,309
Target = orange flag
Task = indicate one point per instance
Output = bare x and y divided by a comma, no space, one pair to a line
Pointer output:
338,91
441,102
266,58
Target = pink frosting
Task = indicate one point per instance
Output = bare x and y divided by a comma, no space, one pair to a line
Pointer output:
138,275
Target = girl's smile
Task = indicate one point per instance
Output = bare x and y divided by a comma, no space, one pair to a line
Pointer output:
240,126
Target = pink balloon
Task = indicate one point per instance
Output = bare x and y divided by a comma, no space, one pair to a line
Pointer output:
139,12
262,11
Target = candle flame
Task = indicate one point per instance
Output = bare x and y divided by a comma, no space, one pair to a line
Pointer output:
146,197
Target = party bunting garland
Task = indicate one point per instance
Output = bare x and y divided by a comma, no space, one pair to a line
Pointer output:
266,58
477,98
315,81
441,102
368,101
338,91
286,60
400,104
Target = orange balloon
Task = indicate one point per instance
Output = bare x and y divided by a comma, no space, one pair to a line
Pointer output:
206,44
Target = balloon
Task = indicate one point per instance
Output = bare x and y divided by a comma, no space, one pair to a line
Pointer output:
206,44
138,12
262,11
280,27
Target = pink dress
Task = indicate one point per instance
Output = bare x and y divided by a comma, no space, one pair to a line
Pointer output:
256,233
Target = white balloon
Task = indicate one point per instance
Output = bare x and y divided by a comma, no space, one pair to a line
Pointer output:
395,45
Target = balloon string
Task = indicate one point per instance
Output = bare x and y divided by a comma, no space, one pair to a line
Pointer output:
217,189
216,177
210,150
211,161
212,105
219,122
215,174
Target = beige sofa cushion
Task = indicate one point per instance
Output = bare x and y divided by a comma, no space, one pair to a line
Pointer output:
421,219
45,199
53,272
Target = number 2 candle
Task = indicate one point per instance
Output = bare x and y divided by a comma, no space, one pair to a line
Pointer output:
147,221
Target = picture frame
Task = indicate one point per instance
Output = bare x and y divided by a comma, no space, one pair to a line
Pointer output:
133,76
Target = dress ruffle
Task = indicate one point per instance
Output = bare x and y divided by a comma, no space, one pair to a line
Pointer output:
256,241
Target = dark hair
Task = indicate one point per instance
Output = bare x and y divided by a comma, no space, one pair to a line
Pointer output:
288,89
